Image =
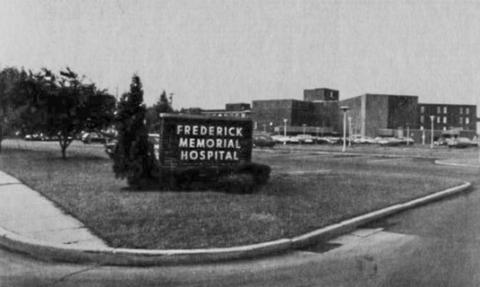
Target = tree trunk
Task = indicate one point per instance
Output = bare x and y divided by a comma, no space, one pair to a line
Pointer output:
1,137
64,152
63,145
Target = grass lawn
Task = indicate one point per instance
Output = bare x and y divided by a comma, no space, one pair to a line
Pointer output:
292,202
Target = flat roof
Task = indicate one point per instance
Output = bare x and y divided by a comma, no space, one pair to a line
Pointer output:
277,100
201,117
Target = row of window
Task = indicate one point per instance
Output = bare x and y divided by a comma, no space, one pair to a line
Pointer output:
445,110
238,115
444,128
461,120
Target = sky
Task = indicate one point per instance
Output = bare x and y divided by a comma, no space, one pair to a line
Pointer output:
211,52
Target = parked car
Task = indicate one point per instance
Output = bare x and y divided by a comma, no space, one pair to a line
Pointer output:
263,140
93,137
321,140
278,138
305,139
461,142
110,147
285,139
293,140
358,139
442,141
407,141
152,138
35,137
50,138
329,140
389,141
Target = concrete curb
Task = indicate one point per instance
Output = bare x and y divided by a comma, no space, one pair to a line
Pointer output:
443,162
350,224
144,257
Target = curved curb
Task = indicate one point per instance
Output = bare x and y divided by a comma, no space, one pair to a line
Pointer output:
145,257
350,224
443,162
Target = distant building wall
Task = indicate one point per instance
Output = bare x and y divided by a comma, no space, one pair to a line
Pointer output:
402,112
373,114
237,107
265,112
321,94
237,110
313,115
303,113
376,109
326,115
225,113
356,110
448,116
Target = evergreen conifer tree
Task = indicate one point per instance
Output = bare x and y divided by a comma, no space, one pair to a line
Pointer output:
132,158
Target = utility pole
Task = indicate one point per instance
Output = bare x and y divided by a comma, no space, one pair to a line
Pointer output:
344,110
423,136
408,134
432,118
349,131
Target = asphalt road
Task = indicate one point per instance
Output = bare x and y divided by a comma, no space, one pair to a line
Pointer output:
448,252
435,245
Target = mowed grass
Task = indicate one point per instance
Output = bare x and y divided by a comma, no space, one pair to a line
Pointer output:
292,203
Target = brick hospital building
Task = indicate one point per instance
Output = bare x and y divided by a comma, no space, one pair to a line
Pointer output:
319,113
316,113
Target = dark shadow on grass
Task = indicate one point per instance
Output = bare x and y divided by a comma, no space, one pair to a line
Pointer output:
197,188
346,155
53,155
76,158
422,159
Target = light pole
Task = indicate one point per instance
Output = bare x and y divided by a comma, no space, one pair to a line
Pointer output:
423,135
344,110
285,131
478,136
349,131
432,118
408,134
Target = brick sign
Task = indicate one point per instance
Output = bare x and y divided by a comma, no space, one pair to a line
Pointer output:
198,140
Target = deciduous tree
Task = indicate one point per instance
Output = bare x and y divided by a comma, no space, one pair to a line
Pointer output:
62,106
9,78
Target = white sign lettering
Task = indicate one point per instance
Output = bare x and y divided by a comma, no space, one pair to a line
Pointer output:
209,142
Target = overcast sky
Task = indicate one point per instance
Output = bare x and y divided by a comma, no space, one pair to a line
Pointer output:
212,52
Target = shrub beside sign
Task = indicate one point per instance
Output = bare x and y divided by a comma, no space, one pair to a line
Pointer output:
197,140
